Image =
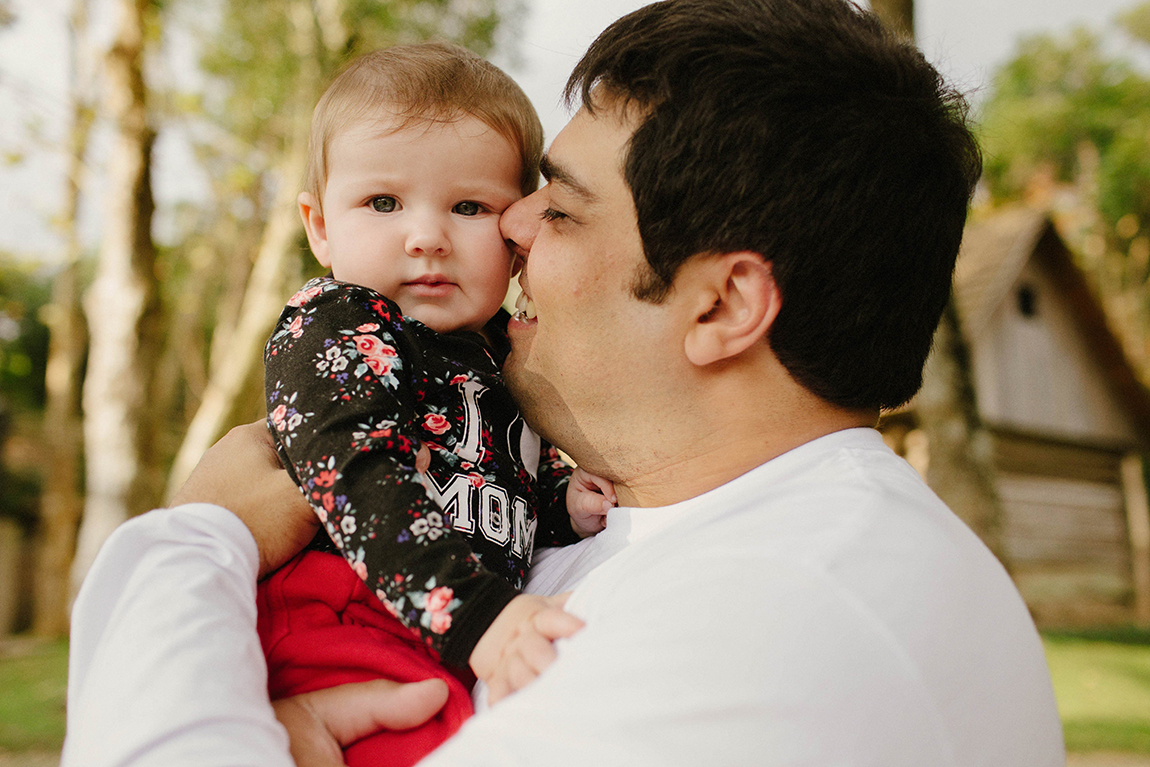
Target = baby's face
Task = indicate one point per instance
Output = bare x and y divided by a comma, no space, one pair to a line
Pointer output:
414,214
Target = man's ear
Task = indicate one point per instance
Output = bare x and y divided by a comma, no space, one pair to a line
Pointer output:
313,223
739,302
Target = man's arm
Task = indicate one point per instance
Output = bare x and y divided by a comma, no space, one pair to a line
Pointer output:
242,473
165,665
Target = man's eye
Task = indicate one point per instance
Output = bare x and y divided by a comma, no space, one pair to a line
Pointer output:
550,214
467,208
383,204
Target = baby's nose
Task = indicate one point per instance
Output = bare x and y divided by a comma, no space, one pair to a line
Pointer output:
428,238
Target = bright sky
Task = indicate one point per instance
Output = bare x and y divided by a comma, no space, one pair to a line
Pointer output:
965,39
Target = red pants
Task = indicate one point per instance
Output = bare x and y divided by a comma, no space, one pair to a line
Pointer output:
320,627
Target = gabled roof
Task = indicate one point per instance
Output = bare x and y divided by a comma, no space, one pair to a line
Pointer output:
994,252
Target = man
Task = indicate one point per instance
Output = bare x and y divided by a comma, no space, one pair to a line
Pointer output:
740,256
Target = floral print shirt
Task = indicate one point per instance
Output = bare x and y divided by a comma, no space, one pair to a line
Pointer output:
414,456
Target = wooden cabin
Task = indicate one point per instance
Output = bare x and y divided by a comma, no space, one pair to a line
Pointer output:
1068,419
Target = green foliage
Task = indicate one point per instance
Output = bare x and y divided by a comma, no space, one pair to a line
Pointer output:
33,687
1057,95
23,337
256,54
1066,126
1102,683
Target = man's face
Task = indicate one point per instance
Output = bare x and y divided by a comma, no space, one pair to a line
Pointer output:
414,212
583,347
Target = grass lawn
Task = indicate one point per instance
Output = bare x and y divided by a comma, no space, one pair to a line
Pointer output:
1102,682
32,689
1101,679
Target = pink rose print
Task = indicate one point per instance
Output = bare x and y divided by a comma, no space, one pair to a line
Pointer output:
328,501
439,598
278,417
379,365
372,346
387,605
458,380
435,423
375,353
440,622
296,327
303,296
476,480
368,327
360,570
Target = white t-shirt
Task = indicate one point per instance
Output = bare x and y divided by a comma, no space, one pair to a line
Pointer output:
823,609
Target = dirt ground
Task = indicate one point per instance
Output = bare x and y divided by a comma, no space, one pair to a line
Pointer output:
30,759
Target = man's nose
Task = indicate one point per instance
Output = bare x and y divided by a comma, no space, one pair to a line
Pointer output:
520,222
427,237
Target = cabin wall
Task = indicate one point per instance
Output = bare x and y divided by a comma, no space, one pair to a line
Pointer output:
1034,371
1064,532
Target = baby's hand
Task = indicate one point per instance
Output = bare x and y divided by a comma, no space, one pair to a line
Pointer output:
589,498
517,646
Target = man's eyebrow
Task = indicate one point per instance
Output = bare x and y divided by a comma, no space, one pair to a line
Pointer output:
557,174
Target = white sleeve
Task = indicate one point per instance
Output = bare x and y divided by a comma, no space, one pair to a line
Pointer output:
165,666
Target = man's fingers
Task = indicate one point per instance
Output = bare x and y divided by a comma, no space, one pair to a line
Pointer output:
312,745
354,711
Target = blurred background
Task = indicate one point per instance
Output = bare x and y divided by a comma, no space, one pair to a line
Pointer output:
150,156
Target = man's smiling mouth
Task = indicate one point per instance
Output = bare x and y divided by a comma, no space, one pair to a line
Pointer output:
524,308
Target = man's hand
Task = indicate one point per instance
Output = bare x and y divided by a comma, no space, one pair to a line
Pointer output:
321,723
243,474
517,646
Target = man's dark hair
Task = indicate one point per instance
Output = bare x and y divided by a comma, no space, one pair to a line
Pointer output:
804,131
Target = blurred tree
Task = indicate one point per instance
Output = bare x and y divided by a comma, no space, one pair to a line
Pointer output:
1066,127
23,357
269,93
122,306
61,503
23,337
946,407
896,14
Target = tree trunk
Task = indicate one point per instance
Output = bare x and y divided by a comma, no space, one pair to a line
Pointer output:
897,15
961,449
122,308
268,285
61,502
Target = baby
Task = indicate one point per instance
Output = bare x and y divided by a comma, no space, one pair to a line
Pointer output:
385,397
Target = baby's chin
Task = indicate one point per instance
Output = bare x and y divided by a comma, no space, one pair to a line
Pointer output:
439,321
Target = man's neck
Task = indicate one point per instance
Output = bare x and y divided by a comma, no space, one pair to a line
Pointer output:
724,450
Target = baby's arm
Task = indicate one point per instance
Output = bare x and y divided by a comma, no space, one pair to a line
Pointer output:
342,411
589,498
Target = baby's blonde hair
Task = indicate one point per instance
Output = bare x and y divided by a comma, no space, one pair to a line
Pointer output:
425,82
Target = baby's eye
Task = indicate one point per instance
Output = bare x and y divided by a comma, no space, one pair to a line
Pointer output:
383,204
467,208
